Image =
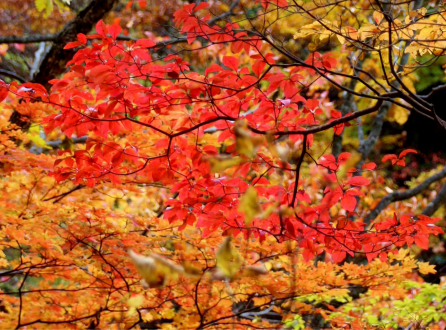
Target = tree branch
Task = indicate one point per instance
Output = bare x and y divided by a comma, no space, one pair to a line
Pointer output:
433,206
12,75
402,195
28,39
434,91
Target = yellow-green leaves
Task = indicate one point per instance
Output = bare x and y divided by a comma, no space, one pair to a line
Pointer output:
249,205
229,260
45,5
48,6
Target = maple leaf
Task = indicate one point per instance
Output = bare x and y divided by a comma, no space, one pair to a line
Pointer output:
426,268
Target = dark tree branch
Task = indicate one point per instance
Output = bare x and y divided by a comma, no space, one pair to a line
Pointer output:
12,75
28,39
433,206
374,134
402,195
433,92
227,14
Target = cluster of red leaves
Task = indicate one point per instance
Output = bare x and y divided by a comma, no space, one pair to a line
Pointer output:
115,89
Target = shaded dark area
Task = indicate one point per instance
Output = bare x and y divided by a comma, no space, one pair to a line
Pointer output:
423,134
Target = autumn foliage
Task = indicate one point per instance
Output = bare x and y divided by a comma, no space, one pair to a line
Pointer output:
205,194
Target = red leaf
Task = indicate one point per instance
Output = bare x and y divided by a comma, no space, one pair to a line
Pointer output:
338,129
369,166
3,90
312,104
391,157
344,157
358,181
422,241
73,44
213,68
145,43
348,202
338,256
82,38
115,30
201,6
101,28
231,62
407,151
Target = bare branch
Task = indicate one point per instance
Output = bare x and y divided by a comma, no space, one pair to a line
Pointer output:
434,91
402,195
12,75
433,206
29,39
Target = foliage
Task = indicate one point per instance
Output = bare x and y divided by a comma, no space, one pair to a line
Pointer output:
188,182
421,306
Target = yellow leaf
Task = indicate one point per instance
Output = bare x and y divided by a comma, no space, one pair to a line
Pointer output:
34,135
249,205
46,5
425,268
378,17
134,303
409,264
398,114
308,30
268,265
219,164
168,314
402,254
368,31
4,263
229,260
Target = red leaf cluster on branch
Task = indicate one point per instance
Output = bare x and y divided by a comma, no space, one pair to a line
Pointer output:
119,88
